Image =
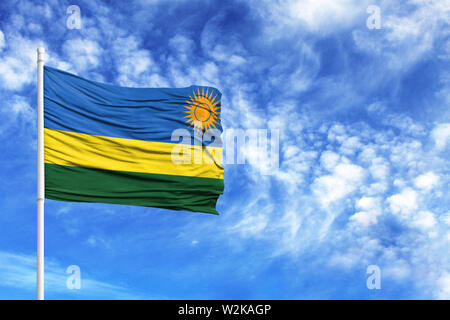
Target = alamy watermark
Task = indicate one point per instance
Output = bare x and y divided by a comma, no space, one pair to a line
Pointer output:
74,19
74,280
374,279
374,20
257,147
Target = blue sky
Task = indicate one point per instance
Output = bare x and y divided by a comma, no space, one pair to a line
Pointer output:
364,123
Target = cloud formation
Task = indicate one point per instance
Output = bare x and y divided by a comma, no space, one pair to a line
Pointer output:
364,146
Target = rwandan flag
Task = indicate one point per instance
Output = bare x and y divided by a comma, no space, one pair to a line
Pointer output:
112,144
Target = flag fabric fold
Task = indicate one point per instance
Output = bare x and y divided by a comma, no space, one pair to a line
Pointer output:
111,144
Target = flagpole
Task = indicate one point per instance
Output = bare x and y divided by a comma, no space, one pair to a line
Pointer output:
40,175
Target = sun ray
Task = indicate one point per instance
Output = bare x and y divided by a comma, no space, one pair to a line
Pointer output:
202,110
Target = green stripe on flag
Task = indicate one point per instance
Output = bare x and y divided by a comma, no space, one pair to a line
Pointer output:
78,184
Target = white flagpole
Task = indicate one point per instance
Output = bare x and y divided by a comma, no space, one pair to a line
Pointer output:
40,175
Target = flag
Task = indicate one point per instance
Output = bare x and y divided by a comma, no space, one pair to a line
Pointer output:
111,144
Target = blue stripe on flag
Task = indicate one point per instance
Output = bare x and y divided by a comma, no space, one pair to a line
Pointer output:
78,105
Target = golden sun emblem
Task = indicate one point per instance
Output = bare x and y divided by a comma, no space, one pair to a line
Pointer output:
202,112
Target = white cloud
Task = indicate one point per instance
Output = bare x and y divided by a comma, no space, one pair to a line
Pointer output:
337,133
21,107
13,73
446,218
424,220
379,169
19,271
2,40
408,34
426,181
318,14
397,269
370,209
395,120
18,62
364,218
444,287
329,160
84,54
251,225
346,178
441,135
132,62
403,203
350,146
16,112
95,241
367,154
406,154
367,203
183,47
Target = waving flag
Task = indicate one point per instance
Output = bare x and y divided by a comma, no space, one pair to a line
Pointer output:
111,144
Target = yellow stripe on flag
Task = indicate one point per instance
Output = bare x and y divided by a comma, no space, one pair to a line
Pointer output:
100,152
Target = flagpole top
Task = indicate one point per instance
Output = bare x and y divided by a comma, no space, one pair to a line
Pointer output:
40,54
